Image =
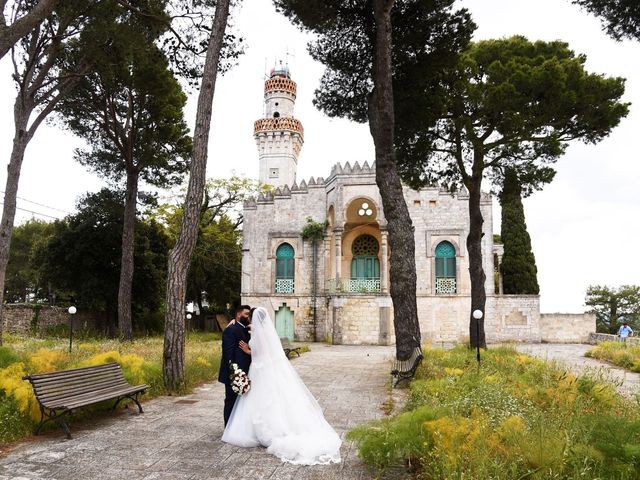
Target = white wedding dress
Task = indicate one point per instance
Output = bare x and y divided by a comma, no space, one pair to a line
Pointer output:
279,412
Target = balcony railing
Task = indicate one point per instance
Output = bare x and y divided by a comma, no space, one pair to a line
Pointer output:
445,286
353,285
284,285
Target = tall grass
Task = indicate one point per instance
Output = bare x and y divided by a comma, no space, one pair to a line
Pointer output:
618,353
141,362
515,418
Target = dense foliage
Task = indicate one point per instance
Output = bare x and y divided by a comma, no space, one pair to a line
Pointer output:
621,18
613,305
517,417
141,362
518,267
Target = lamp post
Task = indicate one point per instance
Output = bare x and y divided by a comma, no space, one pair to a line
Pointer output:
477,314
188,321
72,311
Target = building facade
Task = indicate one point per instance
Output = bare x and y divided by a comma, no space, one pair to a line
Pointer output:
338,291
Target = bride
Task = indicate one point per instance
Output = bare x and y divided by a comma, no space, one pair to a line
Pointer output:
279,412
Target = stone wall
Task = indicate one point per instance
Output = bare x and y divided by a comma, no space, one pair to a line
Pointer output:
445,318
567,327
513,318
18,318
361,320
302,308
595,338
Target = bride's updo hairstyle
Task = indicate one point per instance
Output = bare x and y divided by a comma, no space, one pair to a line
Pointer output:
251,313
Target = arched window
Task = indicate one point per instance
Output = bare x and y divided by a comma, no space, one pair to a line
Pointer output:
365,266
285,268
445,268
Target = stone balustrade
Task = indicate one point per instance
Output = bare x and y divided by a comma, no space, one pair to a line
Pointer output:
279,123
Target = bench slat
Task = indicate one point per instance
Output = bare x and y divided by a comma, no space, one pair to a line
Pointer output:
102,391
43,390
94,397
75,371
79,389
70,382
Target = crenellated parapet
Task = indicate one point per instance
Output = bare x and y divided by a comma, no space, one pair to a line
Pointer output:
347,169
284,192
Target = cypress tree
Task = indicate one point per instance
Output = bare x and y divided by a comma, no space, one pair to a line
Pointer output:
518,268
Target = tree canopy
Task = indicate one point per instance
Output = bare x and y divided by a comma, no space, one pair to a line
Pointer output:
508,103
23,281
613,305
90,242
427,36
518,267
516,103
620,18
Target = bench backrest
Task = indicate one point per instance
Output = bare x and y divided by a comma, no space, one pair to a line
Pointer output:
53,386
411,362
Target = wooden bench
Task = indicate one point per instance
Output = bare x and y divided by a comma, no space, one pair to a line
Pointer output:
288,348
60,393
406,369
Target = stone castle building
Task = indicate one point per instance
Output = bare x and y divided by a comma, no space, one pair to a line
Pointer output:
350,271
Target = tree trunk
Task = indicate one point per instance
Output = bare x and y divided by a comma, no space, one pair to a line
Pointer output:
9,35
180,255
400,227
21,113
126,263
476,272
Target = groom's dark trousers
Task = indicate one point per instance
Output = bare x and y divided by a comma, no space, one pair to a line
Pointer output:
232,353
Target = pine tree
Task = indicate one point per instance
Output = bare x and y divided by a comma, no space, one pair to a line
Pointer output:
518,268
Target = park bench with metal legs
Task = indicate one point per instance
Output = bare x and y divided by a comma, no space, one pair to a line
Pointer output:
288,347
60,393
406,369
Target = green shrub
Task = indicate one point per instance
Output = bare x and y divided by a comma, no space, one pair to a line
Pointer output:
516,417
7,357
141,362
13,423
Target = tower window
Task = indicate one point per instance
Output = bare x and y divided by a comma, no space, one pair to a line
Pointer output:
276,114
273,173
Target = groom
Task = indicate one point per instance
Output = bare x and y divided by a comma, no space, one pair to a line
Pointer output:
232,353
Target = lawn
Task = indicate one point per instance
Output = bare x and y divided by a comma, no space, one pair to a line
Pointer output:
141,361
516,418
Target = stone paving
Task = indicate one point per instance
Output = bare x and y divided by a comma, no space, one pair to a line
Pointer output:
572,356
178,438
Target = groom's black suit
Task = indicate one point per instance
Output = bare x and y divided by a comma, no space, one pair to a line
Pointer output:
232,353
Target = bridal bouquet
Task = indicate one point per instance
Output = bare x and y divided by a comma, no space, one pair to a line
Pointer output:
240,382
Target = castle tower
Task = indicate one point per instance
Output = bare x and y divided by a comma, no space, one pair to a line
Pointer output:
279,135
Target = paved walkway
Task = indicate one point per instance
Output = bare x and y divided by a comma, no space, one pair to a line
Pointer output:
572,356
178,438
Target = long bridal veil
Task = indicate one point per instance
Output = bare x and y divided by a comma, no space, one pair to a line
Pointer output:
279,412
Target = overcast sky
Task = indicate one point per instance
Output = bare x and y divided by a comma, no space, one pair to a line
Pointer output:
584,226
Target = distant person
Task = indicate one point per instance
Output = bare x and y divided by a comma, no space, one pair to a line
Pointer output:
625,330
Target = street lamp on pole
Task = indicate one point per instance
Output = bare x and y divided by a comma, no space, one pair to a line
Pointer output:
188,321
72,311
477,314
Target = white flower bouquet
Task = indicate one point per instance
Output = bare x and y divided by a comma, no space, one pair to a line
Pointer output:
240,382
